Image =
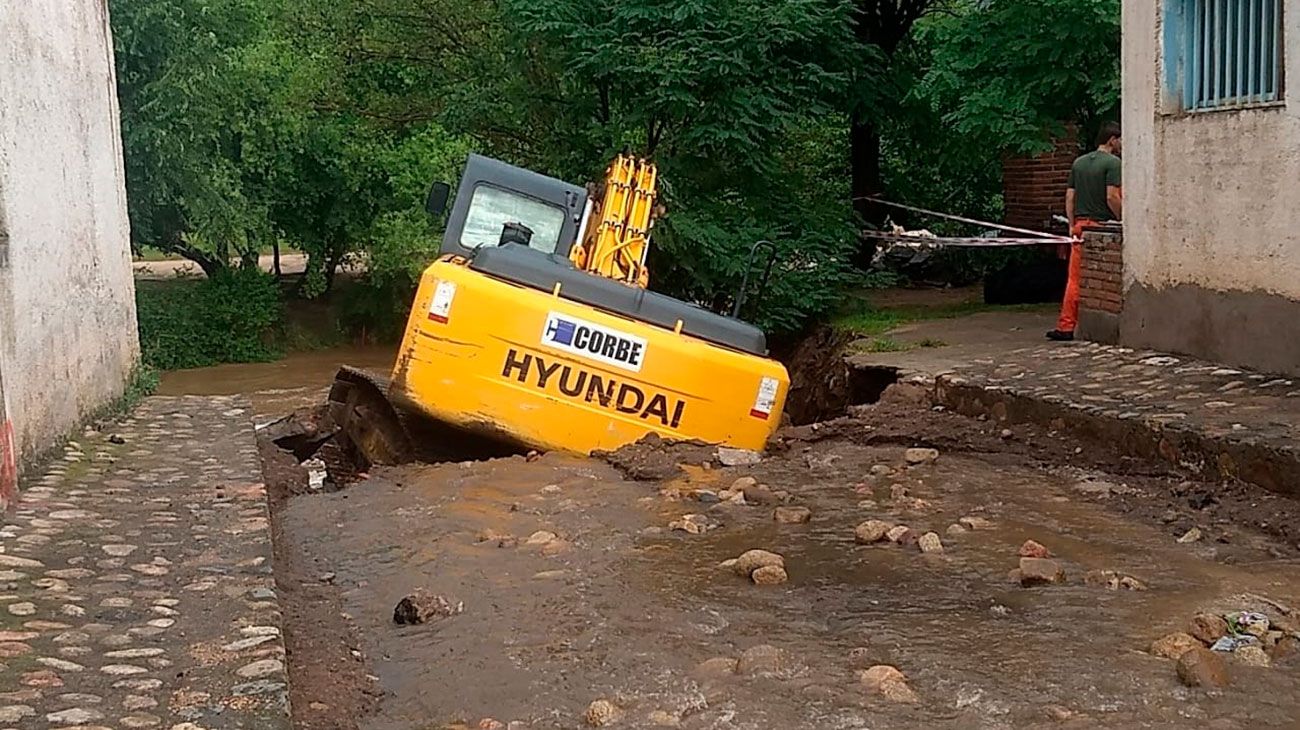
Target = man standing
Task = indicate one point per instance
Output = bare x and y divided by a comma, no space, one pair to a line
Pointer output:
1095,195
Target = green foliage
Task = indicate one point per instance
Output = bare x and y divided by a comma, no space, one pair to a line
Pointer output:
1012,72
232,317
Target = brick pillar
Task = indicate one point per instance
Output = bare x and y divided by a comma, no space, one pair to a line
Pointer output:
1101,289
1033,188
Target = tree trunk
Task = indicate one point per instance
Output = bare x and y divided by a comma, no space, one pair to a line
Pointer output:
275,257
864,158
210,263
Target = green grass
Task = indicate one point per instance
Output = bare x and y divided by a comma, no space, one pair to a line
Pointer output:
872,324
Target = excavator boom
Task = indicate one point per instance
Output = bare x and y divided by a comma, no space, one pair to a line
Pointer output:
616,247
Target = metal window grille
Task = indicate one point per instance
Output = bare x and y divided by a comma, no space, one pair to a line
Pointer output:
1233,54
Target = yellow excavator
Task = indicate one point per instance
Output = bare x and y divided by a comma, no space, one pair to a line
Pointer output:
534,329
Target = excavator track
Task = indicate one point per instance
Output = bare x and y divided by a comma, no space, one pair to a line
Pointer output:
368,420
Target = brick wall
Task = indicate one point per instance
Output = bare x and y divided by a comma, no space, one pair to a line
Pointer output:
1034,187
1101,287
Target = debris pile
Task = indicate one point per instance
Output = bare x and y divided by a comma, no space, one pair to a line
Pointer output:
1250,637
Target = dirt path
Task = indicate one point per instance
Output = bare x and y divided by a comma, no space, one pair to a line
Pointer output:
617,607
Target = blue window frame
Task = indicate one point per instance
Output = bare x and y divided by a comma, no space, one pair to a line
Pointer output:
1224,54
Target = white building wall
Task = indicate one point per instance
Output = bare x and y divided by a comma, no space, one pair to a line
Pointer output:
68,338
1212,211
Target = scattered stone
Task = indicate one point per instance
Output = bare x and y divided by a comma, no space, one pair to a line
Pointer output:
327,578
897,533
897,492
1033,549
41,678
769,575
759,494
602,712
792,515
871,531
693,524
930,543
975,523
421,607
1058,713
239,645
1190,536
955,530
889,683
541,537
489,723
737,457
760,661
1207,628
715,667
1174,645
1040,571
1130,583
752,560
920,456
118,551
25,608
1252,656
881,470
742,482
1286,647
1200,667
10,649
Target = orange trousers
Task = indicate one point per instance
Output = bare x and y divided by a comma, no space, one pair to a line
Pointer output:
1069,318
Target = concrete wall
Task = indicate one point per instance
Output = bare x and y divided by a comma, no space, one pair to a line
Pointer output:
68,337
1212,212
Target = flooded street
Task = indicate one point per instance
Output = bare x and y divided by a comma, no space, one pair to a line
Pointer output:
299,380
576,589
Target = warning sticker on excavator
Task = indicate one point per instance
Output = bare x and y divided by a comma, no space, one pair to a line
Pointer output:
440,307
766,399
593,341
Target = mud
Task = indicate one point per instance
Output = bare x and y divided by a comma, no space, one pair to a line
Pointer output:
618,608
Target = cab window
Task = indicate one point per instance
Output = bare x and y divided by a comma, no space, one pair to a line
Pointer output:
491,208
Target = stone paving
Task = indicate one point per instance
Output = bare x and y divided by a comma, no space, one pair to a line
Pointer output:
135,580
1216,420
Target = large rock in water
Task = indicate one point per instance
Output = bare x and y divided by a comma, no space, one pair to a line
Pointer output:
769,575
871,531
920,456
421,607
889,683
1040,571
752,560
792,515
1201,667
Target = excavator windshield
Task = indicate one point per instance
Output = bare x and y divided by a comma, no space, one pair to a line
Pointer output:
492,208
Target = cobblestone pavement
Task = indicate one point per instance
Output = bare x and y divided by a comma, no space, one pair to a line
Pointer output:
1224,421
135,580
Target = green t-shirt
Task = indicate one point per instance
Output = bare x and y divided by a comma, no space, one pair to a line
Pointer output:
1089,177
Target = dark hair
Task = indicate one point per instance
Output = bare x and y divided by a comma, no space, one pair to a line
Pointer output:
1109,131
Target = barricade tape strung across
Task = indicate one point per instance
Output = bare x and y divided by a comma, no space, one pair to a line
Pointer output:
925,240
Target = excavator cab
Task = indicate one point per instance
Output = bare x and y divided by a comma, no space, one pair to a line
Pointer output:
534,329
498,203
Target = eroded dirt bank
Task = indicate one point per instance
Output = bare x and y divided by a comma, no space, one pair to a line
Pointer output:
613,605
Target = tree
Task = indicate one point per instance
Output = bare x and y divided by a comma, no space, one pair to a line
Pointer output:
190,97
1011,72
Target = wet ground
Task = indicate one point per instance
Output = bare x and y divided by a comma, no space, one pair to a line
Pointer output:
623,610
618,607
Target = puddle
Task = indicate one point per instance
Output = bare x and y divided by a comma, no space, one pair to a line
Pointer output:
626,615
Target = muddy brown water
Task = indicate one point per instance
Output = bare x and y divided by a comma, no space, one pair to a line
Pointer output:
275,388
626,612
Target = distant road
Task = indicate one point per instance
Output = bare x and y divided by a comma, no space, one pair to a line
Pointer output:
290,263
